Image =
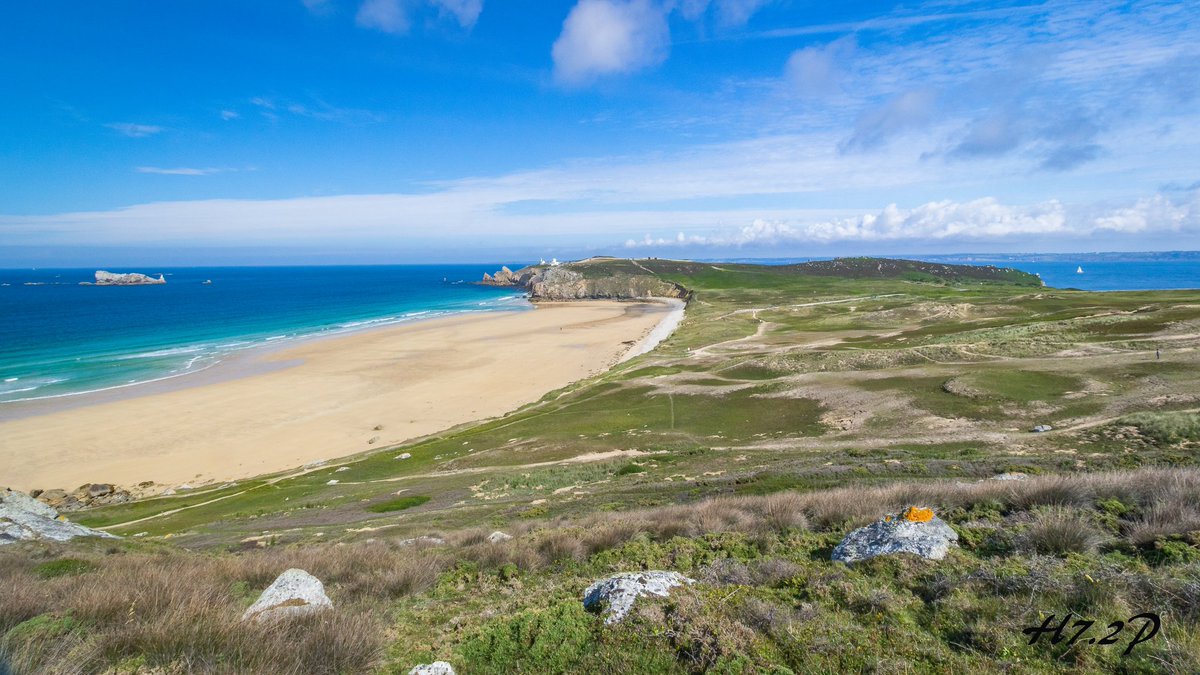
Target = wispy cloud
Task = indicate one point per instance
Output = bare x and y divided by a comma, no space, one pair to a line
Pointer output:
388,16
134,130
179,171
316,109
229,115
395,16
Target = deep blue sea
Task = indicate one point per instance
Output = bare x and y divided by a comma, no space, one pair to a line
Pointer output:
1102,275
58,338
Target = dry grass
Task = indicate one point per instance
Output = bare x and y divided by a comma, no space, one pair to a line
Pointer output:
1062,530
182,612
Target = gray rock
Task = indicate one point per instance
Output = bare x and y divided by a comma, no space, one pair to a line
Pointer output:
435,668
498,536
620,591
1012,475
1042,428
293,593
897,534
132,279
405,455
23,518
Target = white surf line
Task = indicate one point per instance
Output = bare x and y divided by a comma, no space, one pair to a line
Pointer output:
660,332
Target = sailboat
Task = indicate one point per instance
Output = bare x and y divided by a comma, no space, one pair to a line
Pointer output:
1079,270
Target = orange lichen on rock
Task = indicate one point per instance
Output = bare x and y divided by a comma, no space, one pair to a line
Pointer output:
916,514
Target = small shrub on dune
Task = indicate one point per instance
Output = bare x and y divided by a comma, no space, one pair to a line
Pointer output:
782,512
1165,427
1175,517
1058,531
561,546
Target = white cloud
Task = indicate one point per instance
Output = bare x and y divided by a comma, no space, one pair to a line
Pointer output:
180,171
229,115
388,16
974,221
818,72
1154,213
134,130
606,37
466,12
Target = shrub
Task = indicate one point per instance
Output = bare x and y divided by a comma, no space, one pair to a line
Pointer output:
1165,427
1175,517
630,468
63,567
1058,531
552,640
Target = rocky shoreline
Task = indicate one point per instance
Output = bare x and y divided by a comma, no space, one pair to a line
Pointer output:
568,282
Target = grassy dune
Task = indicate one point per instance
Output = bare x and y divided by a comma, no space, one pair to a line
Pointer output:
793,404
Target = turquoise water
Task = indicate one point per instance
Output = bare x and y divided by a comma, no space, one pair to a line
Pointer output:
58,338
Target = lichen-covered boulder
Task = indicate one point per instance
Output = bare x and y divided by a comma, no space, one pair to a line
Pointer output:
293,593
435,668
917,531
23,518
498,537
617,593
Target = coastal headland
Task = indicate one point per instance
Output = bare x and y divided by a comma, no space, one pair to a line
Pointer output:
324,399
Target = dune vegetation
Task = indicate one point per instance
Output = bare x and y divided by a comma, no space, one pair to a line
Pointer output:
793,405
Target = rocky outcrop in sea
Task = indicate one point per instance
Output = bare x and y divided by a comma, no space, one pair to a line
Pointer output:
132,279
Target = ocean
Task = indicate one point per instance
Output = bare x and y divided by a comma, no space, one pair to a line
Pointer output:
58,338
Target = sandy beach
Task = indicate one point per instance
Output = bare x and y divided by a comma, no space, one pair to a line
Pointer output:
324,399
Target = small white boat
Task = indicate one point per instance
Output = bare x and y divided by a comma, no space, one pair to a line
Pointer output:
1078,270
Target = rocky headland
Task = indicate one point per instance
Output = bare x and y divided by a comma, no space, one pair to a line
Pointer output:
592,279
104,278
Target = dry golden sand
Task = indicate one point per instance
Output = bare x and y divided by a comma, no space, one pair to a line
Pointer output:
414,379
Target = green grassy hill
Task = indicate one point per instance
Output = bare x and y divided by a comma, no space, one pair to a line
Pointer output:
793,404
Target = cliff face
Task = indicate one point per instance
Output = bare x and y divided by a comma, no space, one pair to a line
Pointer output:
558,283
565,283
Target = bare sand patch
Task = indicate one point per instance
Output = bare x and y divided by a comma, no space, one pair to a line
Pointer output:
331,398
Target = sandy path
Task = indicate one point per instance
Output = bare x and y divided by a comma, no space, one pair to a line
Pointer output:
413,380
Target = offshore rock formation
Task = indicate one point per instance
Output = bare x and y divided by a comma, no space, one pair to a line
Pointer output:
23,518
132,279
916,531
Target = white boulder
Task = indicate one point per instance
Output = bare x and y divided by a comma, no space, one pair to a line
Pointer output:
917,531
620,591
498,537
295,592
435,668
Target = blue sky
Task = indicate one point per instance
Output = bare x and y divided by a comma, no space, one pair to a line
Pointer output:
198,132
